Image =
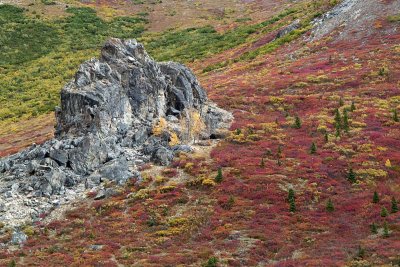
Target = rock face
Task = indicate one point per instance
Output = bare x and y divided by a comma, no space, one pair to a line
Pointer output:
104,130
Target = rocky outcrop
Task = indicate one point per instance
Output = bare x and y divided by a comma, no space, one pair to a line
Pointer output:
105,130
355,19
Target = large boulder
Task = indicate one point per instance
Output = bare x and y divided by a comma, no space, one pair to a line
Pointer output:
105,125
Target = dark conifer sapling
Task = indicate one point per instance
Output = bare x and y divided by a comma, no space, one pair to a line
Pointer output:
329,206
360,252
351,176
341,102
279,153
395,116
385,230
292,206
346,126
262,164
291,195
374,228
230,203
337,133
395,207
291,200
338,119
353,106
384,212
375,198
313,148
297,122
219,176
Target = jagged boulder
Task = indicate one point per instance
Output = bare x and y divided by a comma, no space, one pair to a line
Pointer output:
123,89
105,128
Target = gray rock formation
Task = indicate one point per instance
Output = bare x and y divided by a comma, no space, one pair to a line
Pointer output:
18,237
355,19
104,130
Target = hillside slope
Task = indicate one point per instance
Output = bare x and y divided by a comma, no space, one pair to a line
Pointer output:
310,171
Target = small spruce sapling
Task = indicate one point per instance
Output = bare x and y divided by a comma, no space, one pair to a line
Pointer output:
338,119
219,176
313,148
346,126
353,106
330,59
374,228
212,262
341,102
395,207
360,252
12,263
375,198
292,206
329,206
231,202
297,122
385,230
262,163
291,200
267,153
351,176
395,116
279,153
337,133
384,212
291,195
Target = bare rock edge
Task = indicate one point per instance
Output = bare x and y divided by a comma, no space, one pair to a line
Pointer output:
104,130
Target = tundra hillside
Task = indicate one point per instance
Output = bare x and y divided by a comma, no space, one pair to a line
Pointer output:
309,174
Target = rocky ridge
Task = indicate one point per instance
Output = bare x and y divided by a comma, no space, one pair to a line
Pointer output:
355,19
105,130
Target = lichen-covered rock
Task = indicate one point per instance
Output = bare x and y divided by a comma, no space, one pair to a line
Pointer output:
18,237
105,129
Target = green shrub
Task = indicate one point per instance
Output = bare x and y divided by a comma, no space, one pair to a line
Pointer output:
394,18
212,262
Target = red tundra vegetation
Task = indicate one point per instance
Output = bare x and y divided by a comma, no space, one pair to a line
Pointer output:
315,135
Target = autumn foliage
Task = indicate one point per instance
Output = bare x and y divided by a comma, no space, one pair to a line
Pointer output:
310,171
